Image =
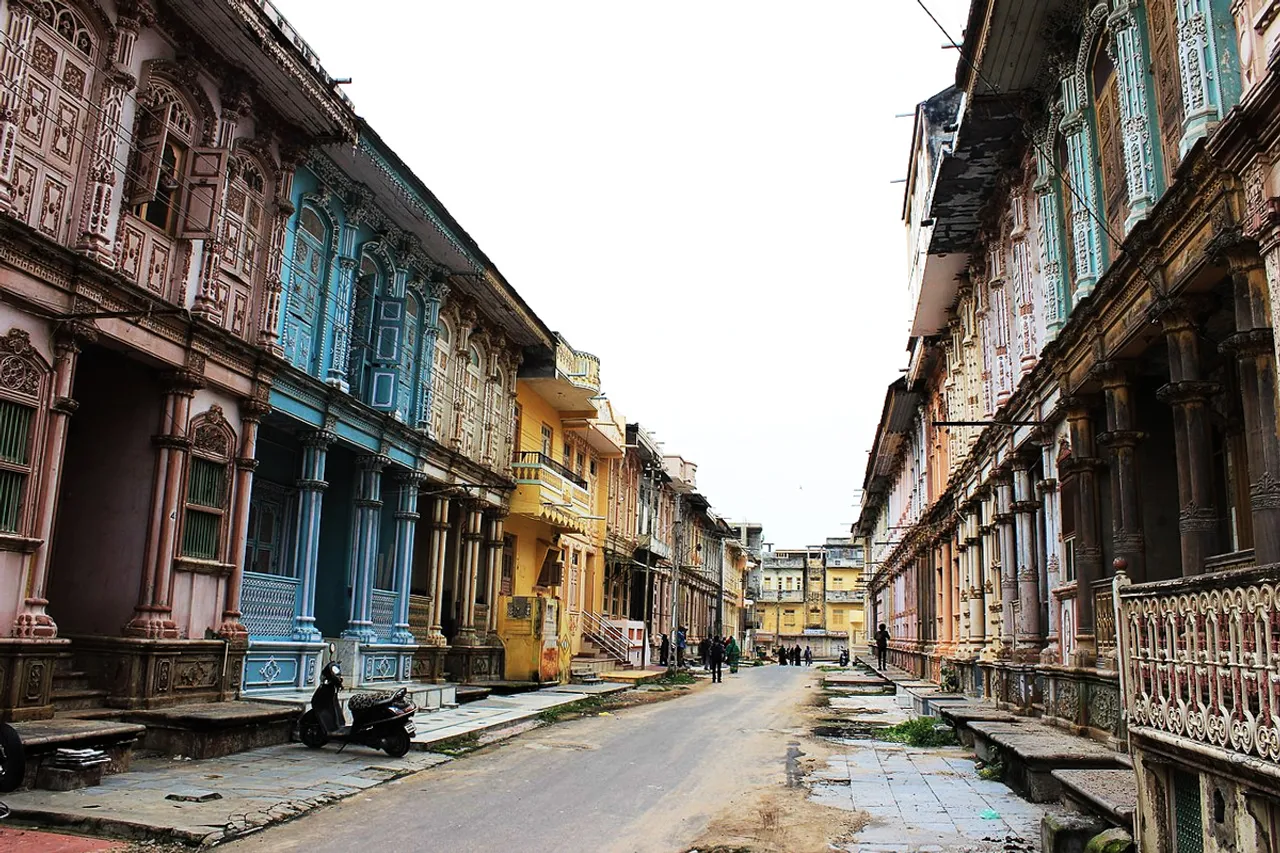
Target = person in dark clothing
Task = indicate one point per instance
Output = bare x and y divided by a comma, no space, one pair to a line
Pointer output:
715,658
795,655
704,649
664,650
882,645
808,656
782,656
681,642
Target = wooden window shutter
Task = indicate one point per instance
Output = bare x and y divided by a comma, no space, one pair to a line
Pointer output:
1162,24
388,330
384,382
150,154
1111,154
206,177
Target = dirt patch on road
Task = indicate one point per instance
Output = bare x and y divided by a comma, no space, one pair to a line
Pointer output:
779,822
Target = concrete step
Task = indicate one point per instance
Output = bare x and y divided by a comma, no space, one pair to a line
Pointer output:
1030,751
1109,794
42,738
70,680
597,665
78,699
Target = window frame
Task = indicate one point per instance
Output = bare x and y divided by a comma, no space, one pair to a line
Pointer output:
212,444
24,383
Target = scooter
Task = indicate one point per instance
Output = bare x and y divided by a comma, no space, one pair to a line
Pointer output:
379,720
12,763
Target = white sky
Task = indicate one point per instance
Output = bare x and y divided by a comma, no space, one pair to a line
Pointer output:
697,192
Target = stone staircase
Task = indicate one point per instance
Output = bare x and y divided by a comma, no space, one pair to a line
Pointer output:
592,662
72,694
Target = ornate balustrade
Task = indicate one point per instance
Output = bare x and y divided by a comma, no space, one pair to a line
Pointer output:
1104,615
384,614
1200,659
269,604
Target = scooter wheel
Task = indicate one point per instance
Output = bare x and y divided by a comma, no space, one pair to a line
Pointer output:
311,731
13,764
396,744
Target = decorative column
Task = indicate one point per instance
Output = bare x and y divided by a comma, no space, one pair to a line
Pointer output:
1189,395
273,286
496,520
311,487
252,410
992,580
1049,232
340,352
1122,438
960,551
1008,562
14,62
1199,63
472,535
368,524
1028,576
406,526
1086,237
210,302
1083,466
1051,498
1254,348
437,553
33,620
152,617
1131,63
95,221
977,592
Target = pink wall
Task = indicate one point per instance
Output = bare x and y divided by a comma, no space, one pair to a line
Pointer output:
101,530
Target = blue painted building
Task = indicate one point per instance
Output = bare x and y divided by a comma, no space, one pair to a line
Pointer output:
402,345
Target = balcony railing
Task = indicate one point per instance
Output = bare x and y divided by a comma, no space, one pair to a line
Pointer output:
772,595
845,595
784,562
1104,616
1200,660
531,458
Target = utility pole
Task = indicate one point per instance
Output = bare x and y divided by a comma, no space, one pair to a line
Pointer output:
678,527
650,510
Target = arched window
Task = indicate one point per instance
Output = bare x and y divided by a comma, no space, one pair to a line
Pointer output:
1106,105
441,387
23,375
167,134
409,357
246,200
307,275
55,98
208,489
1162,33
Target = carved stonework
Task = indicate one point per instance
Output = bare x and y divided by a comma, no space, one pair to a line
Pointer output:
1103,707
1067,704
21,368
212,433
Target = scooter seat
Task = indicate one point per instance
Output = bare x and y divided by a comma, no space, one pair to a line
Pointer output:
364,701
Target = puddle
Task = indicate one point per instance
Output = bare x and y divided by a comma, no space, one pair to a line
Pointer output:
839,729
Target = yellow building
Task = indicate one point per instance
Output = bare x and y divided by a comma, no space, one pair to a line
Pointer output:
553,567
812,597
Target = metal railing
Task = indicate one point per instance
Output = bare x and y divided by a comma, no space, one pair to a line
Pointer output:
611,639
1104,618
530,458
1200,660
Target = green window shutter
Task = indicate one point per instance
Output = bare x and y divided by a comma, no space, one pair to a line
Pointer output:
15,449
206,496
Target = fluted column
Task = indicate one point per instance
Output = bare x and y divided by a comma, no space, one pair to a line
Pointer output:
251,413
368,524
948,596
33,619
494,548
1051,497
1122,439
977,590
153,615
1085,231
437,554
406,528
340,352
1201,66
1008,563
306,553
472,536
1254,349
1025,508
992,571
1189,395
1131,63
1083,466
14,61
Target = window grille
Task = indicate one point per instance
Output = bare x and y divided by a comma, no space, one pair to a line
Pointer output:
15,461
206,500
1188,825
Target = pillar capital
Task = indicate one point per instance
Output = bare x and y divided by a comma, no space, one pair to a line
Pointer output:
1187,392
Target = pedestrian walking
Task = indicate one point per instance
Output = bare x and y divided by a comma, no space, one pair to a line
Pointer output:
715,660
682,639
664,650
704,649
795,655
732,654
808,656
782,656
882,645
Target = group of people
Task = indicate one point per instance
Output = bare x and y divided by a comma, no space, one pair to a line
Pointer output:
713,653
793,655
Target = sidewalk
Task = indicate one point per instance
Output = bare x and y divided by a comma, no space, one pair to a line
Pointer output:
200,802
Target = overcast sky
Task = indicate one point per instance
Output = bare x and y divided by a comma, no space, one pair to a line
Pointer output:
697,192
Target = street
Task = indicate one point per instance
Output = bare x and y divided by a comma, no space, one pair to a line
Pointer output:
646,779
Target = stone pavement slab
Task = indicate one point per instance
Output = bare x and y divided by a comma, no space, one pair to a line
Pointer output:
589,689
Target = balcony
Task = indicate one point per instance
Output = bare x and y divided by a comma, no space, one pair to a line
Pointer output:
1199,664
783,563
550,492
772,596
655,545
567,379
845,595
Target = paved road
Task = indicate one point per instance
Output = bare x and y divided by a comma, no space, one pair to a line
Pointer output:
644,779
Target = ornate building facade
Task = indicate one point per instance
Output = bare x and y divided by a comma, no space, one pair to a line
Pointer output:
1073,493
